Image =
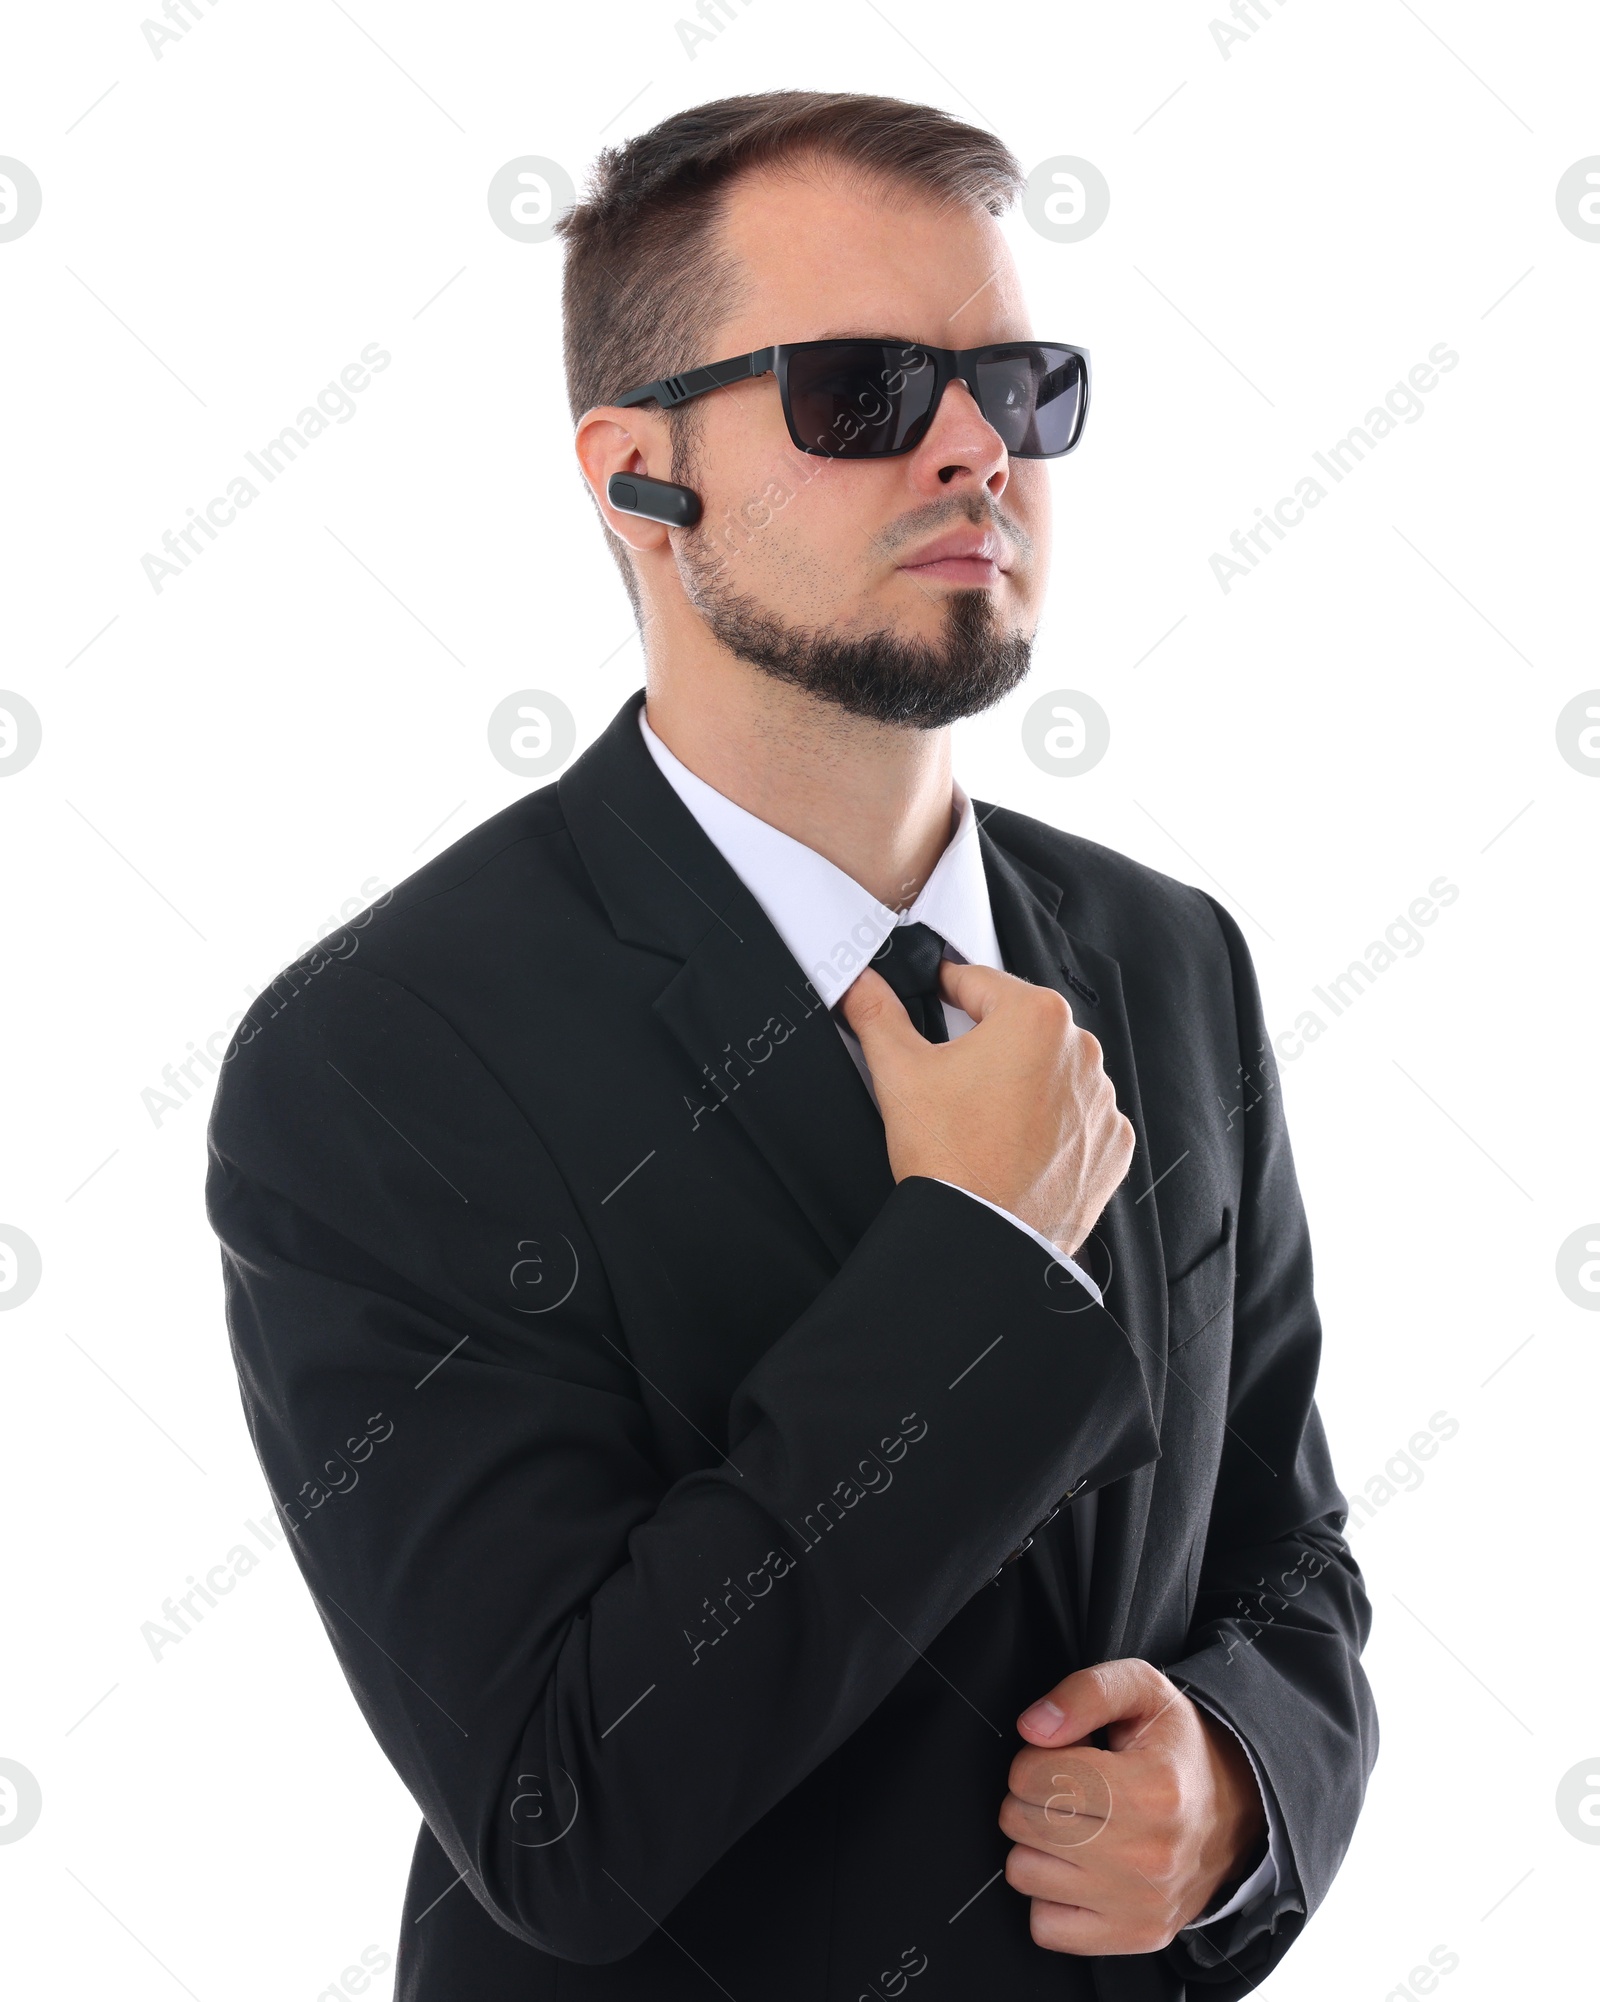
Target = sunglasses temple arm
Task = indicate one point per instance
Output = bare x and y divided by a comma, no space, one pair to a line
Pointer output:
672,390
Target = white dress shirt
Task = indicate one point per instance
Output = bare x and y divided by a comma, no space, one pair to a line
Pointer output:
833,927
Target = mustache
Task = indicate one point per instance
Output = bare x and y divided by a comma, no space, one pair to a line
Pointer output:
978,510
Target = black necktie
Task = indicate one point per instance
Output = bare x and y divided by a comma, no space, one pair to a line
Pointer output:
909,961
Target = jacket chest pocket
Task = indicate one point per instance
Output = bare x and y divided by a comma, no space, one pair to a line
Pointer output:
1201,1298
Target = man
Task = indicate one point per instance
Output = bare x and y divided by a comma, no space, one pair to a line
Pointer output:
773,1296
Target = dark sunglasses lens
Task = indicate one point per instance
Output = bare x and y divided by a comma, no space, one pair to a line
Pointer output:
859,399
1033,395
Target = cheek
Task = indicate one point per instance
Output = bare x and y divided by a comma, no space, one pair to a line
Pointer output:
790,539
1027,502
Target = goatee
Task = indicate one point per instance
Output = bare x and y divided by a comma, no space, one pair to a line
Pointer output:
924,684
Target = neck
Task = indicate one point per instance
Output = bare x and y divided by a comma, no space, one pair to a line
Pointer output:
876,799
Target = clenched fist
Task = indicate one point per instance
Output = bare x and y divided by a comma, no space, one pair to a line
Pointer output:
1118,1850
1018,1110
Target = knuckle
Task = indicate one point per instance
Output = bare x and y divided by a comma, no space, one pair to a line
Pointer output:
1166,1800
1150,1856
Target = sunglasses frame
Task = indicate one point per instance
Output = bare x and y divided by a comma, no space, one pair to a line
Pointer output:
950,365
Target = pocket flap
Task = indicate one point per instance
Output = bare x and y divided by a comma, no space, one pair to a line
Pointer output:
1201,1294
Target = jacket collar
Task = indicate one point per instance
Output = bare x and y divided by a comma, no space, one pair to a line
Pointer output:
737,989
831,924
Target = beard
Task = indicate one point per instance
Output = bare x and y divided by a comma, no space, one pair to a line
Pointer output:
921,684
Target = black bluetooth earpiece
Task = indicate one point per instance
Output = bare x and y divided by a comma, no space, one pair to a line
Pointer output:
656,500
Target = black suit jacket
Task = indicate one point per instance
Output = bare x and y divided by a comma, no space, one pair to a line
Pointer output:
653,1458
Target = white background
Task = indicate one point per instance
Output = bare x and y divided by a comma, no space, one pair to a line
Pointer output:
1292,227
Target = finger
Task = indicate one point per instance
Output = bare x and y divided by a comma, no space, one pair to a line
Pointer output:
978,990
878,1016
1060,1811
1073,1911
1037,1875
1073,1929
1092,1698
1074,1782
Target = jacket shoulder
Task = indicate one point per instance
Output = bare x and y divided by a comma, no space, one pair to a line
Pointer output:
1124,907
519,837
518,859
432,933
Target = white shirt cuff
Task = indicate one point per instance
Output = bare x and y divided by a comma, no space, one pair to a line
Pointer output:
1267,1876
1041,1240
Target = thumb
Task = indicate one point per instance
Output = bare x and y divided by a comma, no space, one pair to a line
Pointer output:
878,1016
1093,1698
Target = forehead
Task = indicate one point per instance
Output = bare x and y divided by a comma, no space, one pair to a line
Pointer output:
822,251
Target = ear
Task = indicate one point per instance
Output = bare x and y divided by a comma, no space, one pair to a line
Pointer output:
612,440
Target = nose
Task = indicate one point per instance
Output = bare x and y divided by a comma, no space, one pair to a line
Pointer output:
961,447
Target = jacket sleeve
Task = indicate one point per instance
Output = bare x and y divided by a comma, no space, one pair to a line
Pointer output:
591,1679
1281,1616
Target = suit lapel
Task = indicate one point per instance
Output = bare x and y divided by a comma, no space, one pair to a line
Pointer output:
1037,947
752,1026
742,1007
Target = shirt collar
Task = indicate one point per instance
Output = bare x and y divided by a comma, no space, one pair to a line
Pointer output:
826,919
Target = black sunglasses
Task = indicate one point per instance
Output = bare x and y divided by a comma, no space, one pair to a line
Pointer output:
859,399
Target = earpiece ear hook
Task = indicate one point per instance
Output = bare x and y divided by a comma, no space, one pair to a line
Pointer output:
654,500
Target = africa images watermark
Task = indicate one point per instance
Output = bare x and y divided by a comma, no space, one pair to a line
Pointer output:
872,1475
716,14
341,944
1402,939
275,457
1401,1474
1424,1977
841,965
328,1482
1251,16
182,1613
773,1034
1402,405
181,16
357,1979
1252,1613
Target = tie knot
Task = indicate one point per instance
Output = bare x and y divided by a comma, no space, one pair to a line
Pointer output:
909,960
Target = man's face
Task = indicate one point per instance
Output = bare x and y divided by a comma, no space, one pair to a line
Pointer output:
905,589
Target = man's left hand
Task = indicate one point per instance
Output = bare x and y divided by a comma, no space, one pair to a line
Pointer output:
1118,1850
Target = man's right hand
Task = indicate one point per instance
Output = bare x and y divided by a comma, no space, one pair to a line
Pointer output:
1018,1110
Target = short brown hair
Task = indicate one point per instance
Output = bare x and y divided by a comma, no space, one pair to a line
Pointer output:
645,281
